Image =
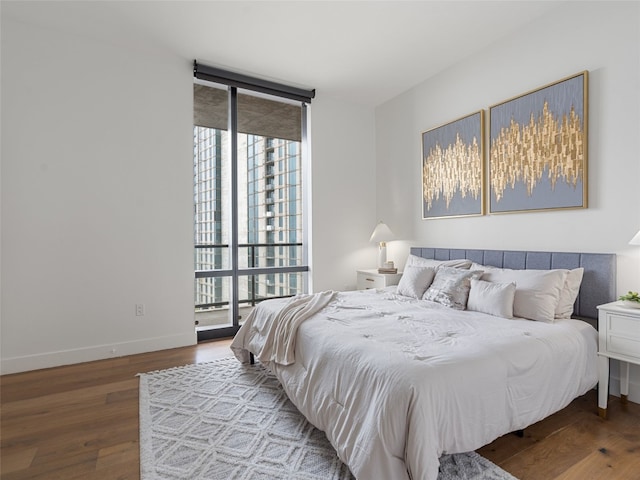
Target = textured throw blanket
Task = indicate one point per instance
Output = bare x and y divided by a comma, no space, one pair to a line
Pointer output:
278,327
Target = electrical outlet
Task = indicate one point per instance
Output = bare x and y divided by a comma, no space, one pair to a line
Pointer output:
139,309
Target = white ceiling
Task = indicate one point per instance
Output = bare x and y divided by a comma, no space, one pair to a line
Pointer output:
362,51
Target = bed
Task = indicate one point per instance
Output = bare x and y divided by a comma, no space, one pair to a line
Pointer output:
395,381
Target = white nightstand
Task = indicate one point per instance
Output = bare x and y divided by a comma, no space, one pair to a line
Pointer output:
618,338
373,279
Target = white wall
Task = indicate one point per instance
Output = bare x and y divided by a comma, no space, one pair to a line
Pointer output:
601,37
97,196
344,182
96,199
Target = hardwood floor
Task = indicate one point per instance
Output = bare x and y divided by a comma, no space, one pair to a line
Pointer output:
81,422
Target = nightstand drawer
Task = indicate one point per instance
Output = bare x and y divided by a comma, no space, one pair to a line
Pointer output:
623,325
623,346
370,281
620,333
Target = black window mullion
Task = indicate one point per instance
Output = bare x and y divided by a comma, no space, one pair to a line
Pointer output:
233,129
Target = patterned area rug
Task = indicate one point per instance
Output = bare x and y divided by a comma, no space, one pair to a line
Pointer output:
223,420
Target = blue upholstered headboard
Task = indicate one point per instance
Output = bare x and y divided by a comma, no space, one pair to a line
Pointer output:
598,283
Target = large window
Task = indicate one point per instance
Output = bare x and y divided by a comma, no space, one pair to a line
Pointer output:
250,203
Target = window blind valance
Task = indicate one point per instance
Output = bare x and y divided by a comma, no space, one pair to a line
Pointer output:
239,80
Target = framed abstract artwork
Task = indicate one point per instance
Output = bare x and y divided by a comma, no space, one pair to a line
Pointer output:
453,168
538,149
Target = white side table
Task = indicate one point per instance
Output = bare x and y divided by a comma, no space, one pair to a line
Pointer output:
618,338
373,279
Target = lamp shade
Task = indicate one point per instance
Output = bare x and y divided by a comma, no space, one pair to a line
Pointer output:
381,233
636,239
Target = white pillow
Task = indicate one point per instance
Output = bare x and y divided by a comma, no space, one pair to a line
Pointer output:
415,280
414,260
492,298
451,286
537,291
569,293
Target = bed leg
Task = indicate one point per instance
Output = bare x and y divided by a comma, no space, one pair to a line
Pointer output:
252,359
519,433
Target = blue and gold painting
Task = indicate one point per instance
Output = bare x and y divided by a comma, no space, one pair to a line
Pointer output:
538,149
453,168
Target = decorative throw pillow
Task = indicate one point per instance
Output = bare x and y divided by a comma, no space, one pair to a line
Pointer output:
415,280
537,291
569,293
414,260
492,298
451,286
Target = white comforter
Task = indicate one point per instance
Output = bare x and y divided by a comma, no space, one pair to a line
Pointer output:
395,383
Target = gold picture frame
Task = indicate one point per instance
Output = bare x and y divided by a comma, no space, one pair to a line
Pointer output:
538,149
453,168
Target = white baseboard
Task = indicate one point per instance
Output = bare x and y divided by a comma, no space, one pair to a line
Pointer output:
634,389
97,352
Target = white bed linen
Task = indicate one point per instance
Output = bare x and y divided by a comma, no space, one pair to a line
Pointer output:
396,382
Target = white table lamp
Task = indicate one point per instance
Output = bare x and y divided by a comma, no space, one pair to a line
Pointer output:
381,235
636,239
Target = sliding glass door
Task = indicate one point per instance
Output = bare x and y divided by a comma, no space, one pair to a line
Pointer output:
250,204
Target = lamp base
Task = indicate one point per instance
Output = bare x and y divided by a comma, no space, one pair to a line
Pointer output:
382,255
